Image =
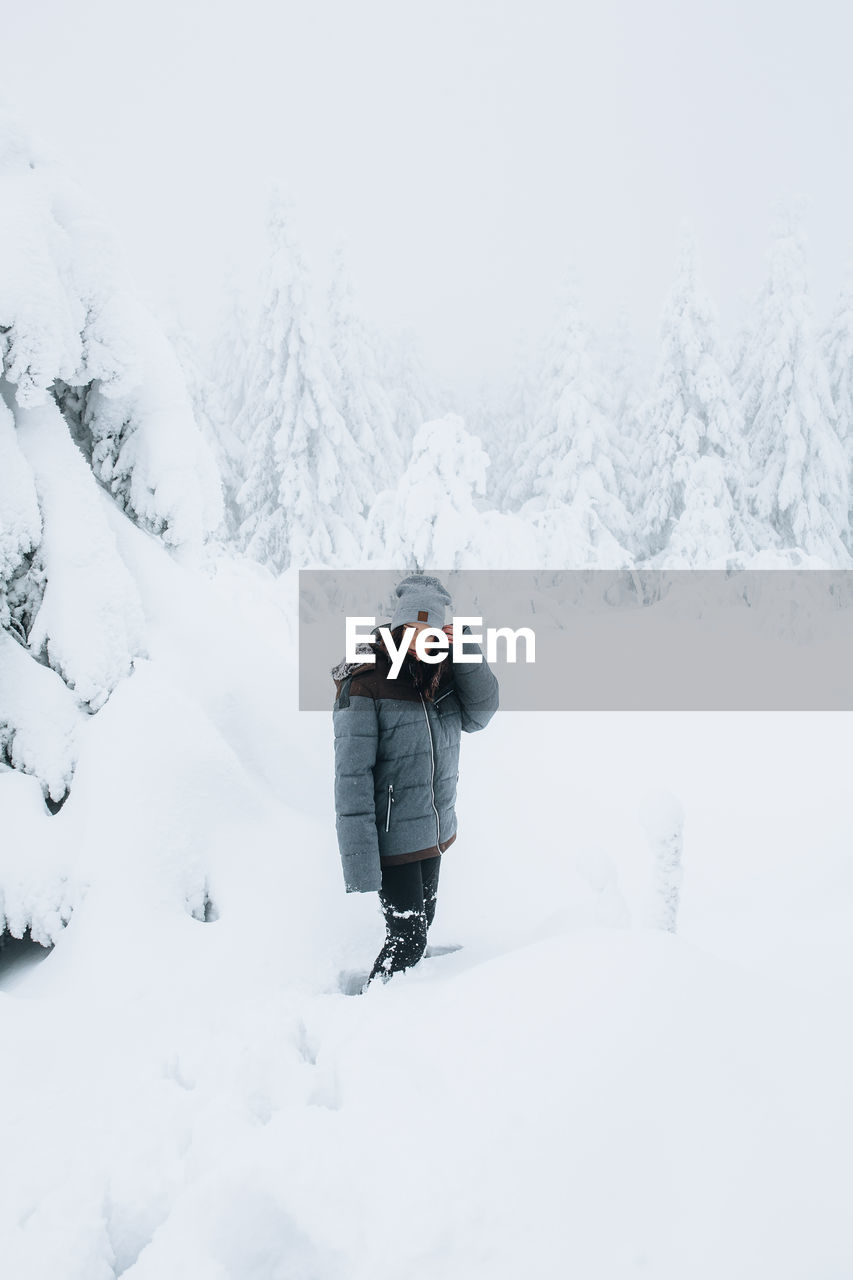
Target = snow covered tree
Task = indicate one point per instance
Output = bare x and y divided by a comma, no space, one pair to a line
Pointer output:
691,456
302,499
837,350
798,481
502,415
437,516
429,518
571,468
415,398
360,395
90,391
215,379
622,372
73,330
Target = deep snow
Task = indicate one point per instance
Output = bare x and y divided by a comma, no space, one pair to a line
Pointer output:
573,1093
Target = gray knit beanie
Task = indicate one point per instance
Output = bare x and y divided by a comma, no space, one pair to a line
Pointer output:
421,598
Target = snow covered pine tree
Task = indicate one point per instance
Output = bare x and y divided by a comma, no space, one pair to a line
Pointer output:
92,407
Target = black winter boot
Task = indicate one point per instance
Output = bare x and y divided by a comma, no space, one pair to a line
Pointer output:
405,942
408,898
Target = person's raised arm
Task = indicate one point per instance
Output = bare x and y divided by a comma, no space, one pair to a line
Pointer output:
476,686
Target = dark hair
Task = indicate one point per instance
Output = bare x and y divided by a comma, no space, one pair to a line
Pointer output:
425,676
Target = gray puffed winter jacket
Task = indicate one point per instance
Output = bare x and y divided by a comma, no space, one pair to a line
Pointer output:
397,760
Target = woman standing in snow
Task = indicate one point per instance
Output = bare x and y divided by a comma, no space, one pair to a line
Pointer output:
397,765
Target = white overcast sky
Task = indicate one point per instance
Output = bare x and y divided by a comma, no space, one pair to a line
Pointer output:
469,150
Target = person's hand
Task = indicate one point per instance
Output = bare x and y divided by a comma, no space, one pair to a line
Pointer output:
448,631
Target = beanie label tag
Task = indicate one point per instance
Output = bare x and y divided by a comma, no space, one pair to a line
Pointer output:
423,615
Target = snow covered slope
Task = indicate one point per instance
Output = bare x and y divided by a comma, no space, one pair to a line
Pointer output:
186,1094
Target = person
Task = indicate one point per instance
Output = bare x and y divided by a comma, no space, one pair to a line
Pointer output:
397,746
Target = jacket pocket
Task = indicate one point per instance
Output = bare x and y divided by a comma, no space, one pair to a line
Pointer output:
445,704
389,803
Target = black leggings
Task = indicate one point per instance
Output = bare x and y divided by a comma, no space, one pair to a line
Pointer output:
408,897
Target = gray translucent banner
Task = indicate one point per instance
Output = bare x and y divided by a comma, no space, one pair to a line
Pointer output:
621,640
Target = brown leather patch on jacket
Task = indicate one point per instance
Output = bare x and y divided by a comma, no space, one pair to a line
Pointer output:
372,680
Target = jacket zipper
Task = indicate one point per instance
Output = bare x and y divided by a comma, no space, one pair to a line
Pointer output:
444,695
390,802
432,772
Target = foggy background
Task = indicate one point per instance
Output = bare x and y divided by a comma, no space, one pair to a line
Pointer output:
469,151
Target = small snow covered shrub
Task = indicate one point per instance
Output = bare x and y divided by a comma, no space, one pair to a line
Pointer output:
662,817
431,517
92,403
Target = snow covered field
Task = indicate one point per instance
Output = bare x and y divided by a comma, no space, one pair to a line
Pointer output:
638,1060
574,1092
